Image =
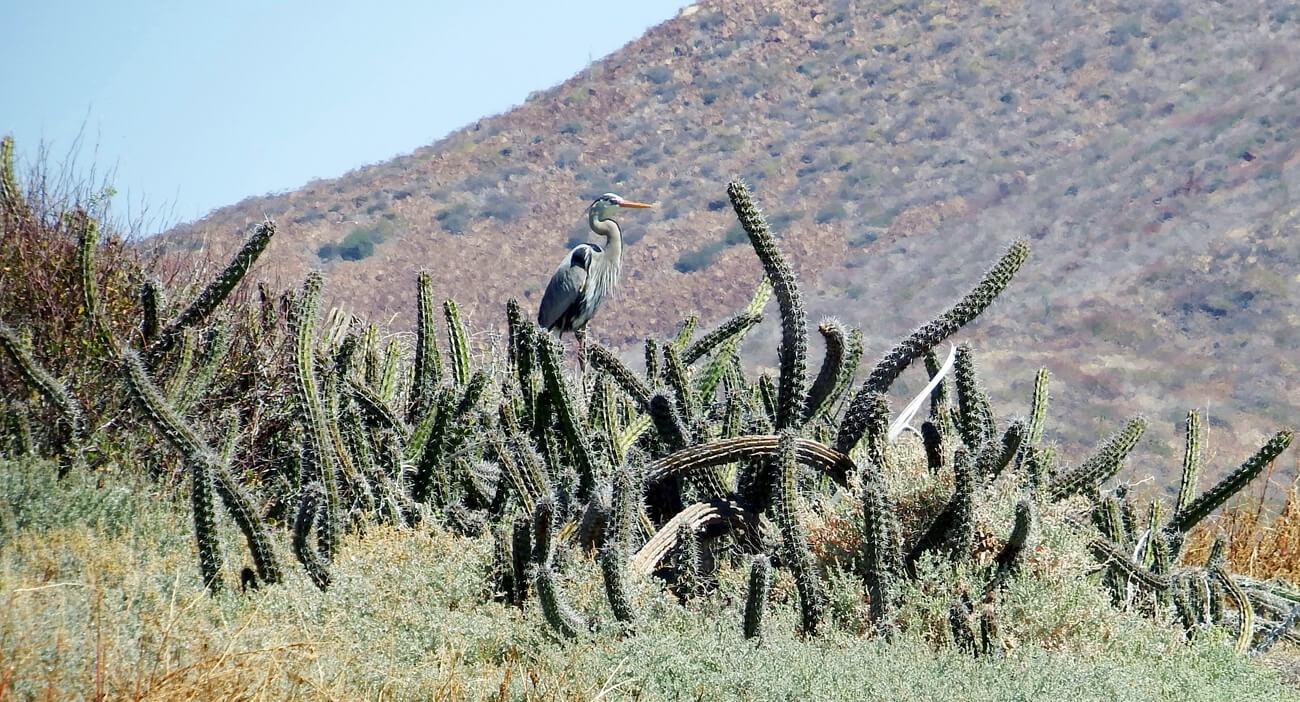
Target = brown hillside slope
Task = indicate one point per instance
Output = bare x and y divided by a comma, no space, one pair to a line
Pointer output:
1150,154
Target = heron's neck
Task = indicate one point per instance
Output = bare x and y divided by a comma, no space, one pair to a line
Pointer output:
608,228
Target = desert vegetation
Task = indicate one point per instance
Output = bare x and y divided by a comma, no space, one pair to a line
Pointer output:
219,489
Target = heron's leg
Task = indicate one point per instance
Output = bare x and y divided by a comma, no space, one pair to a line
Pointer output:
581,336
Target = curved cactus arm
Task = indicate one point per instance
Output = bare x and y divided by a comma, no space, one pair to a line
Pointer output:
1012,556
1111,553
40,380
310,511
603,359
833,334
754,446
793,352
1246,620
697,517
961,314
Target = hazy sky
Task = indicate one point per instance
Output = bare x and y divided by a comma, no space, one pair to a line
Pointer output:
198,105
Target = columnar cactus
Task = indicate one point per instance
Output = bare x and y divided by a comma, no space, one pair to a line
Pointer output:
1191,462
797,554
457,342
793,352
562,403
961,314
975,420
1102,465
760,584
428,361
1038,410
214,294
1212,499
318,463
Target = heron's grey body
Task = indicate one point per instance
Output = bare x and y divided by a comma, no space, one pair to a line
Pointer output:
588,274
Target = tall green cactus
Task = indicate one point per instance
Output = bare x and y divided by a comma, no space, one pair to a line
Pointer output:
793,352
685,331
1102,465
317,454
760,584
1191,462
798,555
457,342
1038,410
1210,500
725,360
618,544
428,362
214,294
975,420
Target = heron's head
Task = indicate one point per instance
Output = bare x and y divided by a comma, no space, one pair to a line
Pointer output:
606,204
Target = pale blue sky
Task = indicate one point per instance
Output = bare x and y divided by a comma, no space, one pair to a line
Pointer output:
198,105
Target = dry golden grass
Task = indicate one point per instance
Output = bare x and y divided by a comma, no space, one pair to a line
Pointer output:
1263,541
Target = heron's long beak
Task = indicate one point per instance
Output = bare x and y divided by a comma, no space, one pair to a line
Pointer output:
636,205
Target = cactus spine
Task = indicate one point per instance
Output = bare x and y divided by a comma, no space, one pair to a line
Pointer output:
793,352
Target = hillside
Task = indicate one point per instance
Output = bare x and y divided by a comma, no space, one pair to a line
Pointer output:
1149,154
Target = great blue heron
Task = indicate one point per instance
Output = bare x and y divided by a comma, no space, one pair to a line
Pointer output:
587,274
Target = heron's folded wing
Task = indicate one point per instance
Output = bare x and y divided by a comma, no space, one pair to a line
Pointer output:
564,290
